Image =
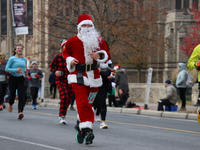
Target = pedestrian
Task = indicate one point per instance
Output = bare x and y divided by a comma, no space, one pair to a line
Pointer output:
72,102
122,87
26,87
111,96
3,80
194,63
35,75
181,84
82,53
16,65
170,97
53,88
58,66
100,100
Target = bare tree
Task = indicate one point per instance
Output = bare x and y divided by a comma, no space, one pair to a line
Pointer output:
128,26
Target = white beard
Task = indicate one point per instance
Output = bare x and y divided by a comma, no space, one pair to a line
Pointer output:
90,39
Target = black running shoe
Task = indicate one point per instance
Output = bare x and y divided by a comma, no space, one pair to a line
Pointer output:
79,133
88,136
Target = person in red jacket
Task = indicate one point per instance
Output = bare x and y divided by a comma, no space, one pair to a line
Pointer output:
58,66
82,53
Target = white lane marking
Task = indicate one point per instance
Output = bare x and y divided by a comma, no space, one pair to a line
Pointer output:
41,145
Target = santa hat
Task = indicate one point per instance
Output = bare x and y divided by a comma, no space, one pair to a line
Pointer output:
116,67
33,62
84,19
63,42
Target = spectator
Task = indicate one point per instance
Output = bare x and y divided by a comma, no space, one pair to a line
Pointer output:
170,97
16,65
181,84
58,66
121,82
3,80
35,75
111,96
122,98
52,81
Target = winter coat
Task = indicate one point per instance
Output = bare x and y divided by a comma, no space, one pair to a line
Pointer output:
121,80
193,59
34,81
171,94
182,76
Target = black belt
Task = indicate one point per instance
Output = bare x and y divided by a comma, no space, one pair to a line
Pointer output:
84,68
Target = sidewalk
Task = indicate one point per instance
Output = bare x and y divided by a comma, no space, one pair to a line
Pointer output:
190,112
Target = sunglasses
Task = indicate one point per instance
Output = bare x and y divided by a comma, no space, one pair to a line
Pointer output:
2,57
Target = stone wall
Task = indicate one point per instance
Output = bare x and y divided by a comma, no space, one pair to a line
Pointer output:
138,92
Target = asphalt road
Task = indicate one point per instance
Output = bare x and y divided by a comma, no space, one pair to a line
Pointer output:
40,130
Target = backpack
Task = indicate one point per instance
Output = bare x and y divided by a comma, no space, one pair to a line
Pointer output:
189,80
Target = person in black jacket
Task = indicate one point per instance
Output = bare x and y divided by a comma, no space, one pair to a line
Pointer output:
52,81
100,100
121,82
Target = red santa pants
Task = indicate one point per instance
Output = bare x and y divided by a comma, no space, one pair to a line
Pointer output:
84,99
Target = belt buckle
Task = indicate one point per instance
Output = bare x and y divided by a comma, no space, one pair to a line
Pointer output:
88,66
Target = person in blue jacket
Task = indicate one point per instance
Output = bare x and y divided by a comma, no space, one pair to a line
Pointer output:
16,65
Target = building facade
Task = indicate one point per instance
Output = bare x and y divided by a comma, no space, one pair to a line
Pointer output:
36,43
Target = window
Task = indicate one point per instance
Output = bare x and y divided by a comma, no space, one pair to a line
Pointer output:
178,4
30,16
195,2
186,4
3,17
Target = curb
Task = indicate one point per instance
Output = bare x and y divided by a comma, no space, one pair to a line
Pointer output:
155,113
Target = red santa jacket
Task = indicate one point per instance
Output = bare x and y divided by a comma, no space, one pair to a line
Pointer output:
75,49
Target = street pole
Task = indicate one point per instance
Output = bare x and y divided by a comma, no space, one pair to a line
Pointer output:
148,88
13,28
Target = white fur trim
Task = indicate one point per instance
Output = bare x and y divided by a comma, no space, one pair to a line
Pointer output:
87,82
68,61
105,56
86,124
85,22
103,65
109,61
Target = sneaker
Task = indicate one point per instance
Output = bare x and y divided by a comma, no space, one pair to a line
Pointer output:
88,136
20,116
103,125
10,108
62,120
79,133
1,107
97,119
198,115
34,107
72,108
